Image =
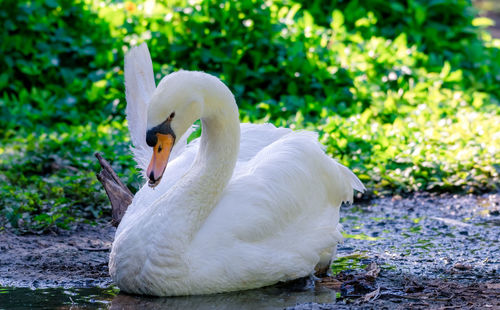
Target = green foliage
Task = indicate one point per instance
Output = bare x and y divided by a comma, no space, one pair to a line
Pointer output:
403,92
59,96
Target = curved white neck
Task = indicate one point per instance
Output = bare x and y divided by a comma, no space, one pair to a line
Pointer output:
173,220
193,198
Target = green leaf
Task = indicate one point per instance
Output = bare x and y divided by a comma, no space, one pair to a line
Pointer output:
337,20
482,22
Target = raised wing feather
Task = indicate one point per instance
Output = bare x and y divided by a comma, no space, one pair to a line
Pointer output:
139,88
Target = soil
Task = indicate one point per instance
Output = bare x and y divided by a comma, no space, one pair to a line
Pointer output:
423,251
74,258
431,251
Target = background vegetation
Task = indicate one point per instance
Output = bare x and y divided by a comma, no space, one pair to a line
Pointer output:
403,92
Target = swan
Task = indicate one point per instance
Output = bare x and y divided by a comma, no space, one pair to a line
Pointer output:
244,206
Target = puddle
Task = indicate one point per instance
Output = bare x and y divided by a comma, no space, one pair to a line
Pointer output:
274,297
55,298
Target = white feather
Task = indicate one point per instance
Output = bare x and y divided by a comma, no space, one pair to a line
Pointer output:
139,88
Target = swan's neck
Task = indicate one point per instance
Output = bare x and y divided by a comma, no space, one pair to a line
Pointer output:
197,193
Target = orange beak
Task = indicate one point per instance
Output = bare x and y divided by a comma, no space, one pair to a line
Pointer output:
161,153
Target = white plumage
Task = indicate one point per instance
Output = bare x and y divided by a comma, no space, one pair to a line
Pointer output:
242,207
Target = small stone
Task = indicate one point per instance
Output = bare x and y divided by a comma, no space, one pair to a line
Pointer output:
397,197
460,266
495,286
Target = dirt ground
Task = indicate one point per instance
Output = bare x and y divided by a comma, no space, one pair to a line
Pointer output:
418,252
75,258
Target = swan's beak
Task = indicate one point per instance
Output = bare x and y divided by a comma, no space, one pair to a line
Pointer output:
158,163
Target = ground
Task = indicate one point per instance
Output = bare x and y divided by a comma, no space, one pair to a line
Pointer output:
76,258
420,251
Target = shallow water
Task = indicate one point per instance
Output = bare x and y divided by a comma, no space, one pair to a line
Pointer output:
56,298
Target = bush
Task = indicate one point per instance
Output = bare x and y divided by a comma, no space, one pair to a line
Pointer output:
55,97
403,92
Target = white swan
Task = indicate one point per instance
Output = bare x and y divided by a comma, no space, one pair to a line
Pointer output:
242,207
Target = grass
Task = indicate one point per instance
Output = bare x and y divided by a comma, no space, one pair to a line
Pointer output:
405,93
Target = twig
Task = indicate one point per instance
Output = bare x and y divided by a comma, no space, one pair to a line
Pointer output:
417,297
119,195
400,296
93,249
372,295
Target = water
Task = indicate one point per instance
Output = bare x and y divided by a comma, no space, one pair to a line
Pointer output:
274,297
55,298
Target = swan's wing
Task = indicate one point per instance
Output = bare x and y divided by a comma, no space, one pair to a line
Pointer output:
139,88
285,181
182,143
280,211
255,137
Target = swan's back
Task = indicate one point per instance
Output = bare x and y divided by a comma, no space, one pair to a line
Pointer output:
278,215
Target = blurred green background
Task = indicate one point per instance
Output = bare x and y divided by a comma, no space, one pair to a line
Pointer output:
405,93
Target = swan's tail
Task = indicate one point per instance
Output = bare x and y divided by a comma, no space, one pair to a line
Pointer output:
338,179
344,183
352,179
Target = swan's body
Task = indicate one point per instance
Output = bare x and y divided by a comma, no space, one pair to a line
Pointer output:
233,211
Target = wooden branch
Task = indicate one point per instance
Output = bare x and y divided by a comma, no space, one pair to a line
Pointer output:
119,195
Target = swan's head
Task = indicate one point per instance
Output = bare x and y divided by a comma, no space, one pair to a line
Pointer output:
173,108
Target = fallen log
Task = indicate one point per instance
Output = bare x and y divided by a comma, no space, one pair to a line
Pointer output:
119,195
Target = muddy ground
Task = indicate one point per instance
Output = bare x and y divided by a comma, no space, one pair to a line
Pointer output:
75,258
419,252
